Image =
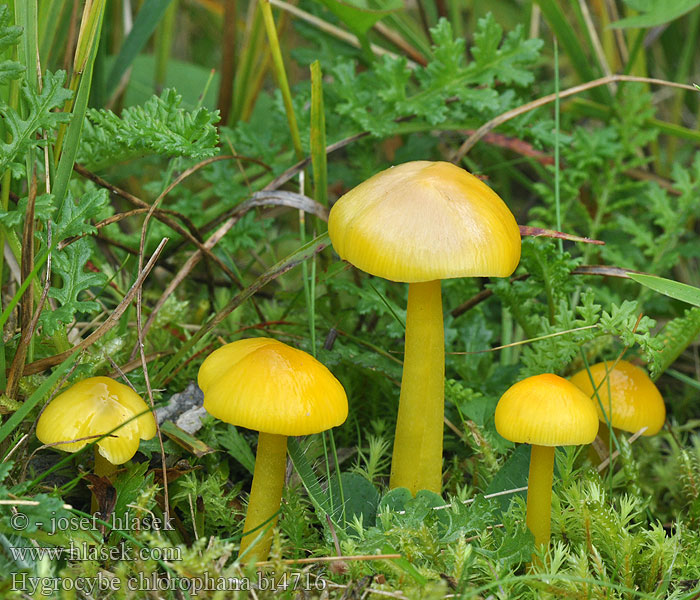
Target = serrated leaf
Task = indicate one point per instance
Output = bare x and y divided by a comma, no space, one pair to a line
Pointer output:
40,109
75,215
69,265
9,36
675,337
159,127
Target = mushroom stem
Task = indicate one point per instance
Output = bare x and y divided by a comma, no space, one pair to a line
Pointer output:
539,493
417,458
103,468
265,496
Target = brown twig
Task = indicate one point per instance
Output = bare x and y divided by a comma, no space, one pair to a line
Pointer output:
192,236
51,361
258,199
471,141
27,301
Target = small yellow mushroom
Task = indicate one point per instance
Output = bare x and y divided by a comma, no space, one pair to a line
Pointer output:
267,386
629,400
544,411
94,407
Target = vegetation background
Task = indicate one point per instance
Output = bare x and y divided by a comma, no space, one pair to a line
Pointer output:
167,166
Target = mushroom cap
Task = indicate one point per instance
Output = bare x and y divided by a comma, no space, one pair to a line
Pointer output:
546,410
421,221
93,407
636,401
265,385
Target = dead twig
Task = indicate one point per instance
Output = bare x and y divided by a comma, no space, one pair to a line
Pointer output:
289,199
51,361
471,141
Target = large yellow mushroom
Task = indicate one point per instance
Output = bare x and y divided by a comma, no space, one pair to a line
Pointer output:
544,411
421,222
267,386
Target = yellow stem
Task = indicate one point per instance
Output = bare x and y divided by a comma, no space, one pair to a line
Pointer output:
417,459
265,496
103,468
539,493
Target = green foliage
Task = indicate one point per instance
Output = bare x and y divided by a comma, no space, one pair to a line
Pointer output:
160,127
624,178
39,115
374,100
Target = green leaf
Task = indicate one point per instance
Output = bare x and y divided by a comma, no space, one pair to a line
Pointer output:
75,215
69,264
358,19
360,496
513,475
318,497
9,36
668,287
160,127
41,115
675,337
659,14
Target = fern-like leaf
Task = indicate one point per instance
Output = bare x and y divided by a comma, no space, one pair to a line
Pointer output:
160,127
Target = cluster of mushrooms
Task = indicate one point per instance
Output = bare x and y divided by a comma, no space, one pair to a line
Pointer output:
416,223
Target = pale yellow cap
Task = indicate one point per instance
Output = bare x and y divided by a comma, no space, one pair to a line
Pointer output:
546,410
265,385
93,407
422,221
636,401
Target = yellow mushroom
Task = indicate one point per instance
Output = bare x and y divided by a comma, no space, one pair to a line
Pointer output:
628,398
267,386
93,407
418,223
544,411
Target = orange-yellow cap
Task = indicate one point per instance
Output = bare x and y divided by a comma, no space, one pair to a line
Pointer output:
546,410
636,401
422,221
265,385
93,407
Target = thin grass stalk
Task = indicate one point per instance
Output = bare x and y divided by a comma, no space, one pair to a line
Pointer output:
86,52
83,61
163,44
50,17
281,75
228,60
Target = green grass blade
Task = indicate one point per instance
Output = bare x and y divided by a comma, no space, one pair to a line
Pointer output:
145,24
566,36
659,14
318,136
72,139
281,74
668,287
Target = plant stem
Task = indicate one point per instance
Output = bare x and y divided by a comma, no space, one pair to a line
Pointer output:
265,496
539,493
103,468
417,458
